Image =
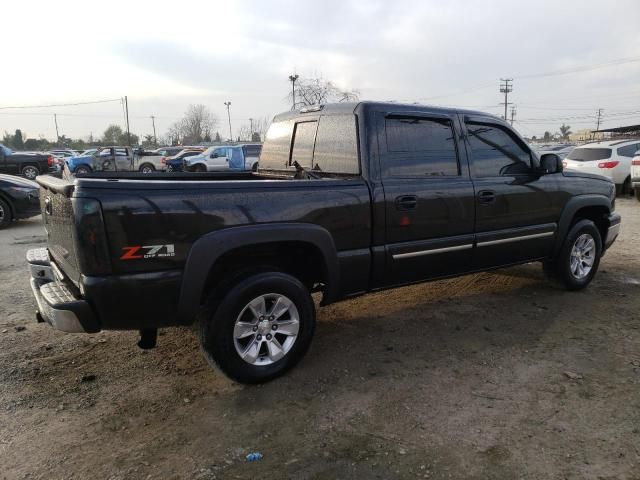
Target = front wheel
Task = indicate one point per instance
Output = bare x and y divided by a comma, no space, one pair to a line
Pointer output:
200,168
82,170
579,257
30,172
260,328
147,168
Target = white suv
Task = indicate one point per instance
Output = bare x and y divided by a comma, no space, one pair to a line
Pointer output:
611,159
635,174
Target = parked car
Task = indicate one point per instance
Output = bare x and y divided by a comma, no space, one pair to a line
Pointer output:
611,159
155,160
63,153
561,150
174,164
237,157
348,199
107,159
19,198
29,164
635,174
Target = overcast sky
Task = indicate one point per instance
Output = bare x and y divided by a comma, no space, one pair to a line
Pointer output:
166,55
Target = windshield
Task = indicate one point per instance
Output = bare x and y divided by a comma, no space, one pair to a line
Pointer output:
589,154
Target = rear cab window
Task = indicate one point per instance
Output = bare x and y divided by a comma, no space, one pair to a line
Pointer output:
325,144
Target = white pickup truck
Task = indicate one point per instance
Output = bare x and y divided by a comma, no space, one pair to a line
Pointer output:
236,157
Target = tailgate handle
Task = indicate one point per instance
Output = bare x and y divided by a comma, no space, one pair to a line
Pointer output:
48,207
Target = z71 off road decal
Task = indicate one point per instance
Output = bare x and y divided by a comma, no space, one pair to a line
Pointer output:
148,251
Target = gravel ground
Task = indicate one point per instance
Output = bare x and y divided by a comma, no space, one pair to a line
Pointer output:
496,375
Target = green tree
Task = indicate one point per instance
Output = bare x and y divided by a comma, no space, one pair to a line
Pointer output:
18,140
7,139
112,135
547,137
217,137
565,131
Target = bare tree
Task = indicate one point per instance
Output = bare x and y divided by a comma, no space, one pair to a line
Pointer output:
317,91
198,122
260,127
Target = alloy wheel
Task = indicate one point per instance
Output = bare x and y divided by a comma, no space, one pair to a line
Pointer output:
266,329
583,255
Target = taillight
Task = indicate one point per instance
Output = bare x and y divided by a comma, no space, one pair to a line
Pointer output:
608,164
50,161
635,161
163,159
564,164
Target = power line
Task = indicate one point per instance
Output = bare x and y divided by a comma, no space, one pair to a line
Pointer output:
61,104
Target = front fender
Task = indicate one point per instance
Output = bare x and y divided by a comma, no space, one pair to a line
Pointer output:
209,248
571,208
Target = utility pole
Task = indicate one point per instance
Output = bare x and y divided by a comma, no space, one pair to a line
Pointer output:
55,119
251,133
506,87
126,109
292,79
513,113
599,119
228,104
153,122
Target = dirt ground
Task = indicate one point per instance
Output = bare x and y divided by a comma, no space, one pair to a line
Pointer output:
491,376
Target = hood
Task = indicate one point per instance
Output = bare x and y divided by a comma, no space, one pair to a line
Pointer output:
18,181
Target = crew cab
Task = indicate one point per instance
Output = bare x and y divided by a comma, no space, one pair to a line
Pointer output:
28,164
348,199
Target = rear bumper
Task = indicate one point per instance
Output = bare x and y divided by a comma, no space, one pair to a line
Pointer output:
58,305
113,302
613,230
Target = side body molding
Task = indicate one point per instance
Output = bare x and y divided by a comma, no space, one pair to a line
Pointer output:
573,205
210,247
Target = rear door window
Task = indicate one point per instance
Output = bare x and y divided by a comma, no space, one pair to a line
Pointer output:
589,154
420,147
629,150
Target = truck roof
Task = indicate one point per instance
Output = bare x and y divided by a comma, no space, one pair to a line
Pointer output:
350,107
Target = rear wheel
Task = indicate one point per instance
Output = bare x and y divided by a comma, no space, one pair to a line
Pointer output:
260,328
5,214
579,257
637,190
147,168
30,171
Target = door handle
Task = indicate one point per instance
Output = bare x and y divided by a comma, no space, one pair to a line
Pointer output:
486,197
406,202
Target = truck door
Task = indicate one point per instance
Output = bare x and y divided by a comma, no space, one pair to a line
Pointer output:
218,159
429,197
516,207
123,159
104,161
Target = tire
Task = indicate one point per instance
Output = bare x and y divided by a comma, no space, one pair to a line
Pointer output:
579,257
254,168
626,187
147,168
637,190
5,214
30,171
82,170
230,326
198,167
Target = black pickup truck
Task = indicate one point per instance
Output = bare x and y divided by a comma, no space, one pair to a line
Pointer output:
349,199
29,164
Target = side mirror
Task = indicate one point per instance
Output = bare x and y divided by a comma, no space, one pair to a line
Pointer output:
550,163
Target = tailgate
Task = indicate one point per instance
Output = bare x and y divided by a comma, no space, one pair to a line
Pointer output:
59,222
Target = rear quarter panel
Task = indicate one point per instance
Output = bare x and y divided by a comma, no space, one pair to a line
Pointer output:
147,214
